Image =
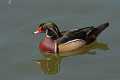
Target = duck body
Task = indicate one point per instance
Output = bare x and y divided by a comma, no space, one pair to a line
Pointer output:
61,42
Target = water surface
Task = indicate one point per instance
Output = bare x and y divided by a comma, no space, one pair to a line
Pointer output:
18,21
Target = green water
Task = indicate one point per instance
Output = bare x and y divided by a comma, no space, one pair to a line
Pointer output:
17,48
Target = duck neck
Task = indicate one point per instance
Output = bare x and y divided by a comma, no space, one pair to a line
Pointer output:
53,33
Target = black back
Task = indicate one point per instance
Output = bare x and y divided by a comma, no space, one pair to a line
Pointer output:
87,34
76,34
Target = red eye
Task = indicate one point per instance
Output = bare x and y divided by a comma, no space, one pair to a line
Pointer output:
40,29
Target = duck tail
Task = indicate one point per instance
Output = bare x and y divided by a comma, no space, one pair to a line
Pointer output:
95,32
100,28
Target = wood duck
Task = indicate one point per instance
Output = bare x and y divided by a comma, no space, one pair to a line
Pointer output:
56,42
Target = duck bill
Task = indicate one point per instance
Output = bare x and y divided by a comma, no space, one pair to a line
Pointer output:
36,32
39,30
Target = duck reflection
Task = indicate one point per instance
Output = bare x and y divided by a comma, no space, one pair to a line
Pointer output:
51,63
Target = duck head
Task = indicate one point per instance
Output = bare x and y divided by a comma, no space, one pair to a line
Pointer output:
50,29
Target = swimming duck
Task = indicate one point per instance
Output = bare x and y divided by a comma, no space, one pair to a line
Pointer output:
56,42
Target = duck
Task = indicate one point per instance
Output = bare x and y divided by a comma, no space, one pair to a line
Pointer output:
58,42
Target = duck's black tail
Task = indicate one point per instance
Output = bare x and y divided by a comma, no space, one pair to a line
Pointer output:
100,28
95,32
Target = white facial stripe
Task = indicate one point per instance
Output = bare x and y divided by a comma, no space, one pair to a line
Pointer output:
54,31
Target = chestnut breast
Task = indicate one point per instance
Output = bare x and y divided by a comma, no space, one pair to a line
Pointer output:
47,45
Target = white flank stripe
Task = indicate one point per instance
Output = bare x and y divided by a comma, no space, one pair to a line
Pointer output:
75,40
55,47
